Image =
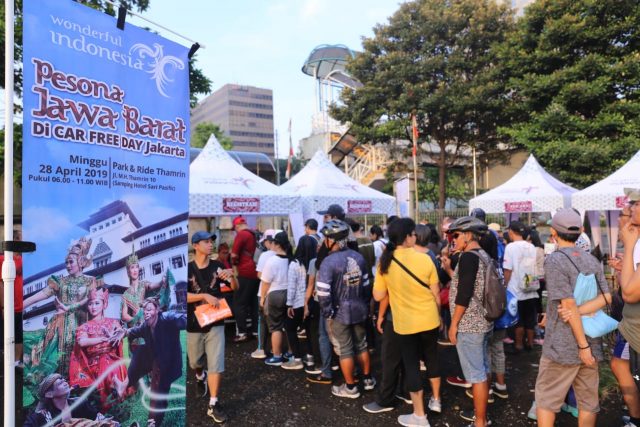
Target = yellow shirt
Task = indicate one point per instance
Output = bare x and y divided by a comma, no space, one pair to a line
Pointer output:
413,306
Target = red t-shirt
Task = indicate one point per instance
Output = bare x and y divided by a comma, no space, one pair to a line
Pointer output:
17,284
244,246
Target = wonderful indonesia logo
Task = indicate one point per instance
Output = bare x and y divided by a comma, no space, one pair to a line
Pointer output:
149,59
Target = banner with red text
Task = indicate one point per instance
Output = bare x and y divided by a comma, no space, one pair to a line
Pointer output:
105,198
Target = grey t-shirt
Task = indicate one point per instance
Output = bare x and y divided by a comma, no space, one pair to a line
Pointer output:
560,274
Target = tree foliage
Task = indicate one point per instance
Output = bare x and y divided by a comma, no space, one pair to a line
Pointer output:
436,59
574,68
201,133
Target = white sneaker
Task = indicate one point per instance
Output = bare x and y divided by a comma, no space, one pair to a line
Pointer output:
411,420
293,364
435,405
259,354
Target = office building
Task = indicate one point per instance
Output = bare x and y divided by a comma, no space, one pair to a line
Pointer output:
244,113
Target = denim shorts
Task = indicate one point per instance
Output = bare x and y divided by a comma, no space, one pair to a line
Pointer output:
474,356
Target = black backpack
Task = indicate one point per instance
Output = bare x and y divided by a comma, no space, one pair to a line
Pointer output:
494,301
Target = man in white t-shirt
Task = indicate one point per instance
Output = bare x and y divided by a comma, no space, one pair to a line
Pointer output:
519,257
263,333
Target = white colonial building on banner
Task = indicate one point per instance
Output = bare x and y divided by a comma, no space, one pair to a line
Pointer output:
159,247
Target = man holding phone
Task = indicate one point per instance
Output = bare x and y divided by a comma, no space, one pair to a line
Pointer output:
205,279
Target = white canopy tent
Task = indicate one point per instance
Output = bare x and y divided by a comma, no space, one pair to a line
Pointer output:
608,196
219,186
531,189
320,183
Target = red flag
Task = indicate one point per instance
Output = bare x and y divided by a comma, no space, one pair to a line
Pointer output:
287,174
414,128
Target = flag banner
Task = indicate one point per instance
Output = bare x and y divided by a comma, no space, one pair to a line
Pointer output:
414,134
105,197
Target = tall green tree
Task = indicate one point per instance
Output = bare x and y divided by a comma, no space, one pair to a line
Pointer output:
199,84
202,132
436,59
574,75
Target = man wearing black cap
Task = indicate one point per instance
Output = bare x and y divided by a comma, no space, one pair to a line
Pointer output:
519,262
205,278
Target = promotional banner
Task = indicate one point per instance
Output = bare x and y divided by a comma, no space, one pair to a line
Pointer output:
105,198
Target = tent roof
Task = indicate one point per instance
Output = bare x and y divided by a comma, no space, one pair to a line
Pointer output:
608,194
320,183
218,185
531,189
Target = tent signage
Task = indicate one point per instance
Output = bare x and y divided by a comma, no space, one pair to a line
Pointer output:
621,201
241,204
359,206
513,207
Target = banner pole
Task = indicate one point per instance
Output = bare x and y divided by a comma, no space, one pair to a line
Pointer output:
8,266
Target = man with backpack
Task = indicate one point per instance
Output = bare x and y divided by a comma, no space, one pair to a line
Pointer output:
569,357
520,275
246,305
475,298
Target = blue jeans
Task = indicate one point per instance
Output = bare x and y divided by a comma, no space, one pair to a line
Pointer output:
325,347
473,351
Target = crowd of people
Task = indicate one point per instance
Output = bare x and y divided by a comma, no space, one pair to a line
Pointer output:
477,288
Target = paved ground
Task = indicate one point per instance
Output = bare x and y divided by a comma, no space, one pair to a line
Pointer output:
258,395
255,394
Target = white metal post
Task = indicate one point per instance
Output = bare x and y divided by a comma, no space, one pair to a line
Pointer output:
475,175
8,266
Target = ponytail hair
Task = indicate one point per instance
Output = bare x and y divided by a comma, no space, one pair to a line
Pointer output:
397,232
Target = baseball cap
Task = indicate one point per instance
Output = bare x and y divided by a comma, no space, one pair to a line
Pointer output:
269,234
566,221
201,235
494,226
239,220
633,194
333,210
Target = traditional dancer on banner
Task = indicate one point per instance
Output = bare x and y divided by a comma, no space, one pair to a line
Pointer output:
56,407
95,353
131,305
160,357
71,294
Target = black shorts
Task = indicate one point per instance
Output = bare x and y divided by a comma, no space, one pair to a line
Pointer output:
276,310
527,313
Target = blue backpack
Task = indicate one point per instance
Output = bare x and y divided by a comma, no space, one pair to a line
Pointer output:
510,316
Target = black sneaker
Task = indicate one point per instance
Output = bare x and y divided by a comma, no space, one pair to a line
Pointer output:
202,385
502,394
469,415
217,413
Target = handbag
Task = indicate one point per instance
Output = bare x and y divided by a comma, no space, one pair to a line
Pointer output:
599,323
